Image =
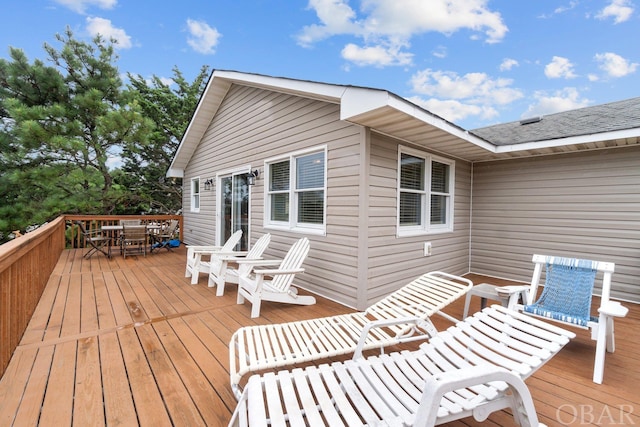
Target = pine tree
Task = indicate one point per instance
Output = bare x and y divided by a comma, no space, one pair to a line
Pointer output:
61,127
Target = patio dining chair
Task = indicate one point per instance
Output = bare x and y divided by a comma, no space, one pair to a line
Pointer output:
402,316
161,238
472,369
275,284
228,267
95,240
567,298
197,265
134,239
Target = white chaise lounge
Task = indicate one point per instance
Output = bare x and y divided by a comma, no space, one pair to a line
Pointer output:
254,348
471,369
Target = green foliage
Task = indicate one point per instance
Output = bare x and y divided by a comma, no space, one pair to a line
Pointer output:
63,125
145,165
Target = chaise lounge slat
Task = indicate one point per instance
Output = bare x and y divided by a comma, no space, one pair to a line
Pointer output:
255,348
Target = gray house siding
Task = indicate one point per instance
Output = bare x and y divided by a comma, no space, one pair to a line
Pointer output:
579,205
395,261
360,258
253,125
584,204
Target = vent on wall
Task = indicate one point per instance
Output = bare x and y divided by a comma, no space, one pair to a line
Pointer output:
530,120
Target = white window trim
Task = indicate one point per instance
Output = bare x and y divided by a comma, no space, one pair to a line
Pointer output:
192,194
292,224
426,228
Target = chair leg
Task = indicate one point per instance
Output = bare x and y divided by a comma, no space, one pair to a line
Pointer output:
601,347
611,341
467,301
194,277
195,270
89,253
255,307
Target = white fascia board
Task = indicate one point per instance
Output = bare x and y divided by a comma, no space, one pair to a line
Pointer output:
357,101
196,127
572,140
175,173
325,91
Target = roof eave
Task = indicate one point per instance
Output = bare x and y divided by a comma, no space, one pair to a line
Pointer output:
359,105
568,141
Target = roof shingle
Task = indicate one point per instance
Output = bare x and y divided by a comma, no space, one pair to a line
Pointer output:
620,115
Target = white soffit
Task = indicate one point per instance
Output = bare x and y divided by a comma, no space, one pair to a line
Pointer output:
390,115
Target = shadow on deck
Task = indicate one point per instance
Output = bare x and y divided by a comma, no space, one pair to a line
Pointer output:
131,342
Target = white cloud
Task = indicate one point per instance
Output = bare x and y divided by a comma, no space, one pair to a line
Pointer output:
562,9
389,25
392,17
455,97
336,17
562,100
619,10
478,87
379,56
440,52
80,6
559,67
204,39
453,110
105,28
508,63
615,65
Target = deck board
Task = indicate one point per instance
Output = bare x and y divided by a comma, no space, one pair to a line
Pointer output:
132,342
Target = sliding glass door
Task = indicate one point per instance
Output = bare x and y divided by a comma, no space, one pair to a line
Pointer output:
233,206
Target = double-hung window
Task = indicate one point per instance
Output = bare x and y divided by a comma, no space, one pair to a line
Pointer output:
425,193
195,195
296,190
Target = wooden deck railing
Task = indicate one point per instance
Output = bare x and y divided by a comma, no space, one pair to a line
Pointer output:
25,266
93,222
26,263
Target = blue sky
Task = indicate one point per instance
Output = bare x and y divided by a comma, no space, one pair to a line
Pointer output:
473,62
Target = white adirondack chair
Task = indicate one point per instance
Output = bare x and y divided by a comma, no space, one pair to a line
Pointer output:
279,288
220,272
195,263
566,298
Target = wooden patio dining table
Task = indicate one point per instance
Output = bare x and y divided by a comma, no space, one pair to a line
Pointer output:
113,231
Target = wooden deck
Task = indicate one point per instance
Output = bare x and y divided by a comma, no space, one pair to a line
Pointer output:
131,342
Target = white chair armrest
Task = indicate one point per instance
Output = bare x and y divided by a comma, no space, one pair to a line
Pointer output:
275,271
207,251
231,256
614,309
204,248
357,354
438,385
259,261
